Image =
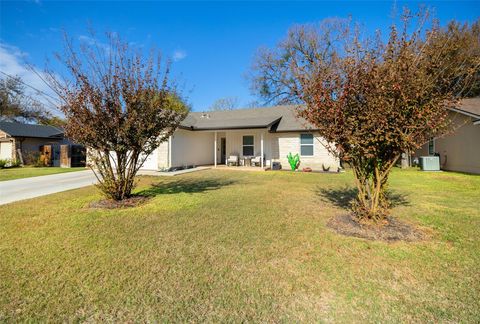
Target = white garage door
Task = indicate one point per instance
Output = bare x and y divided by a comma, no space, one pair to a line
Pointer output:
5,150
151,163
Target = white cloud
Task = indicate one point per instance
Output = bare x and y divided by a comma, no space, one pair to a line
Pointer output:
179,55
12,63
95,42
86,39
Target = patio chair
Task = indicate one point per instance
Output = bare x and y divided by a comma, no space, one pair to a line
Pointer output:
257,161
232,160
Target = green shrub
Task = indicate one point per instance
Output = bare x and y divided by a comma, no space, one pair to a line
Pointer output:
15,163
9,163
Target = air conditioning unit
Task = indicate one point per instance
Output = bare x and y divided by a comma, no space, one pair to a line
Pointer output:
430,163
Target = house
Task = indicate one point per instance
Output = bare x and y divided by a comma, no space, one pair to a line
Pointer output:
210,138
460,149
29,141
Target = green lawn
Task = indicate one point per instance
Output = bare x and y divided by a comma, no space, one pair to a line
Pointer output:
230,246
27,172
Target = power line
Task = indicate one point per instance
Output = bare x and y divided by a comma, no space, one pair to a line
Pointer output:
30,86
50,104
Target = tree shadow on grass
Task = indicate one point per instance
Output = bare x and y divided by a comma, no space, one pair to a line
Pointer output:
184,186
343,197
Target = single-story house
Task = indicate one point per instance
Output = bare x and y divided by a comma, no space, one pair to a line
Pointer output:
459,150
21,141
212,138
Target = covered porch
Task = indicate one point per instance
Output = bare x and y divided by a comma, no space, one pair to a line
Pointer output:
242,149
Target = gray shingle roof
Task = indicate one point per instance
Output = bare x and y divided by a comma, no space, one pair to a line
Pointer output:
278,118
28,130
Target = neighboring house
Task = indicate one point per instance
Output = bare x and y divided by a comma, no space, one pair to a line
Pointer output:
209,138
460,149
28,139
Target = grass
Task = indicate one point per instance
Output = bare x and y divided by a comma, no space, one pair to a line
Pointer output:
223,246
27,172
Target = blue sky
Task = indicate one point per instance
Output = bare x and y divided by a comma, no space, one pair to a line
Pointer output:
213,43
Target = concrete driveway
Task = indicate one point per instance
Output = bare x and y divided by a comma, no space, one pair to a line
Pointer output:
20,189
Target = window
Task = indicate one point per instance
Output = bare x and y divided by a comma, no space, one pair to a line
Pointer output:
306,144
431,147
248,145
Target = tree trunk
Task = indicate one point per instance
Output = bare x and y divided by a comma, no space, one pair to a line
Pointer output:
371,177
116,177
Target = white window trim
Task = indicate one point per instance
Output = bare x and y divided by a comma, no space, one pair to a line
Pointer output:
313,144
249,145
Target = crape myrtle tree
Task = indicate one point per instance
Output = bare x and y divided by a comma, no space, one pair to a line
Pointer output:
120,104
372,99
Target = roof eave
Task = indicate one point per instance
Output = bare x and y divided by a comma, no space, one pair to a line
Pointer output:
295,130
226,128
460,111
45,137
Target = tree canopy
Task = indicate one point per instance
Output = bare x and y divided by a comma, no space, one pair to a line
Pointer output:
226,103
120,104
17,105
372,99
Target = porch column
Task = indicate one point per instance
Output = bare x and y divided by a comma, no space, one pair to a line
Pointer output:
261,149
215,150
170,151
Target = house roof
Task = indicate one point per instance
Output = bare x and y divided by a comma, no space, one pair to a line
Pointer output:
29,130
469,106
278,118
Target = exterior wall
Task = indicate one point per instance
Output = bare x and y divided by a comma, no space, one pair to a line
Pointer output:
197,148
423,151
190,147
163,158
234,144
31,144
284,143
26,145
459,151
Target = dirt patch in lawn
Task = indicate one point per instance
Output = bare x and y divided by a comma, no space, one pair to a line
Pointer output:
125,203
390,230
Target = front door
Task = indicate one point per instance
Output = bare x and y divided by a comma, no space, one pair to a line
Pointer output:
223,150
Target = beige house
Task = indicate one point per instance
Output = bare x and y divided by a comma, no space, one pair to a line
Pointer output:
262,135
460,149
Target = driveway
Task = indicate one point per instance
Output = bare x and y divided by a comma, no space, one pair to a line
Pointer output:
20,189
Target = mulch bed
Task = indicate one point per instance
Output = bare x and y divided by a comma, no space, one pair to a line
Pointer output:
113,204
390,230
